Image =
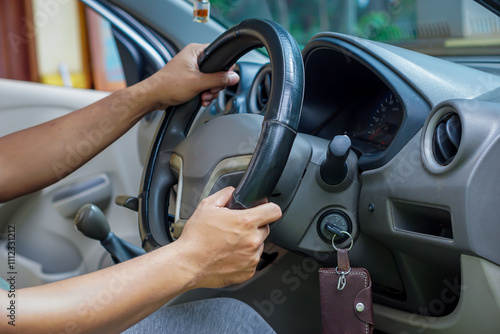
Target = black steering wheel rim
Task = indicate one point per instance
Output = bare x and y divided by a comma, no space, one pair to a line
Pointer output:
279,127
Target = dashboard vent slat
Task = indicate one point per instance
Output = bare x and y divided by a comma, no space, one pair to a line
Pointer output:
454,131
263,92
260,90
446,139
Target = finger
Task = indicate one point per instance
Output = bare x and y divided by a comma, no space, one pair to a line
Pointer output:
264,214
196,48
221,197
207,96
260,250
216,90
264,231
218,79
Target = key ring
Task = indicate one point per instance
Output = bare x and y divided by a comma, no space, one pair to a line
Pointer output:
342,272
348,234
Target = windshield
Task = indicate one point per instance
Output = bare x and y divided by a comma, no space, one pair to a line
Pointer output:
438,27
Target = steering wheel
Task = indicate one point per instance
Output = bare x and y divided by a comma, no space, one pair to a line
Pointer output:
223,147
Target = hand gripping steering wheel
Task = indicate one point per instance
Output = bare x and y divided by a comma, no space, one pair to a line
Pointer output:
188,161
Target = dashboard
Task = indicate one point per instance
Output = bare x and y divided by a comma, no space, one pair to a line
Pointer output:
417,222
347,92
349,99
372,131
381,100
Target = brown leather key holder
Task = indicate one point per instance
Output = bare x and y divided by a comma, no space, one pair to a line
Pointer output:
346,297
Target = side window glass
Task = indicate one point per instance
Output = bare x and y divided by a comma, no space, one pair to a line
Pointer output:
107,70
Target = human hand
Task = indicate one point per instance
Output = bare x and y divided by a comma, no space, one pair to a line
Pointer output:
181,80
224,246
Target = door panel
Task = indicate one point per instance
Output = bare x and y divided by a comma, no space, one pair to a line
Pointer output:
48,247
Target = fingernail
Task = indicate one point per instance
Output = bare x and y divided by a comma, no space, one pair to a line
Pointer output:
233,77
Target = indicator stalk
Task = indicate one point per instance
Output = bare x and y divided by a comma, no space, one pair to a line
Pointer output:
334,168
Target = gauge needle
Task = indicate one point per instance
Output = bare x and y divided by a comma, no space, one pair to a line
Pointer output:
378,130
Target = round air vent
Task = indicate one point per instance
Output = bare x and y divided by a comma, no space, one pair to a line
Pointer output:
446,138
442,135
260,90
263,91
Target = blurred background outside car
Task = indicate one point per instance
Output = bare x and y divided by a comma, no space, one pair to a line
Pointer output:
436,27
61,42
58,42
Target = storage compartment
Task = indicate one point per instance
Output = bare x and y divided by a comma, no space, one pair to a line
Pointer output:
422,219
31,272
54,253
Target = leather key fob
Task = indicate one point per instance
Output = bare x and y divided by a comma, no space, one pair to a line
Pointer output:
346,298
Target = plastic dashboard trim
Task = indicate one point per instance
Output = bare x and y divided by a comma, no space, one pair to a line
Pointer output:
416,108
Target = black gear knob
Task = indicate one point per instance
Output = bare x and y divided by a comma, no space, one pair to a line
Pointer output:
92,222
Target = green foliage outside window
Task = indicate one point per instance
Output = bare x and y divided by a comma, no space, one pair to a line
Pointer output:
377,19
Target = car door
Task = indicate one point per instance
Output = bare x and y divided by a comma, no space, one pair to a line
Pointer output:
48,247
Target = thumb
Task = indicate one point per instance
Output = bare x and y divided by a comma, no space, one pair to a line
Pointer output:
218,80
220,198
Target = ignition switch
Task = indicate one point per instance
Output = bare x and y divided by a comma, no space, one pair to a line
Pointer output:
339,220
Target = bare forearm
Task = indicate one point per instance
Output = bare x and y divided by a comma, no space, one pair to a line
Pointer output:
217,247
108,301
39,156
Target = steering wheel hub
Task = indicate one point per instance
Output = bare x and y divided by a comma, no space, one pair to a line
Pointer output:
221,146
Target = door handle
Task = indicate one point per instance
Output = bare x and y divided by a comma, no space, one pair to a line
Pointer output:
71,197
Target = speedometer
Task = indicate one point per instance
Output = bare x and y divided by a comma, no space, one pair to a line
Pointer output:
374,132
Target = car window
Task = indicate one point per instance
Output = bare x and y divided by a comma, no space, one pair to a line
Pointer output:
440,27
58,43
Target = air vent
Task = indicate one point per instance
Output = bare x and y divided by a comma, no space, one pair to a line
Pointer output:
446,138
260,91
263,92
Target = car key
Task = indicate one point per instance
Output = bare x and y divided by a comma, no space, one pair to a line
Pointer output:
345,296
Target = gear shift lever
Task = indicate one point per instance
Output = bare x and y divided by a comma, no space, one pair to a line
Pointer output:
92,222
